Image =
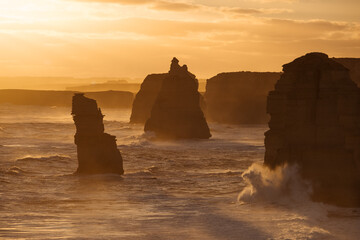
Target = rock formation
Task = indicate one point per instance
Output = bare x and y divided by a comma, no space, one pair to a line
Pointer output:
239,97
176,112
353,64
97,151
315,123
145,98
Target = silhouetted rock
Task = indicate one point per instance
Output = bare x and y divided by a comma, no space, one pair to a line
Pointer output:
353,64
176,112
239,97
109,99
145,98
97,151
315,123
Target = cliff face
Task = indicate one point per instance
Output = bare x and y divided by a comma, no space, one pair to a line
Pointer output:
109,99
239,97
176,112
145,98
353,64
315,123
97,151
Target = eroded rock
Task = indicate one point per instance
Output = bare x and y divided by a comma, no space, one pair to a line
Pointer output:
97,151
145,98
176,112
315,123
353,64
239,97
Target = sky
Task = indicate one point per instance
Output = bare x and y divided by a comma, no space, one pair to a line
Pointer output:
132,38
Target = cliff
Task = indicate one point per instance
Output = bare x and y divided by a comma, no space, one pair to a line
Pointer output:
239,97
315,123
97,151
176,112
145,98
353,64
109,99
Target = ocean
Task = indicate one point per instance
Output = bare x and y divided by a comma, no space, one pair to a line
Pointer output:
188,189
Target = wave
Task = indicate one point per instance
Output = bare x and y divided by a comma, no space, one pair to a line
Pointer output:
15,171
280,185
56,158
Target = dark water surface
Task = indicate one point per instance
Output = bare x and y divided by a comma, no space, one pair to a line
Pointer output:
171,190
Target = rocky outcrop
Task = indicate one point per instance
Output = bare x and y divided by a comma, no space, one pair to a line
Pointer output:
145,98
109,99
239,97
353,64
315,123
176,112
97,151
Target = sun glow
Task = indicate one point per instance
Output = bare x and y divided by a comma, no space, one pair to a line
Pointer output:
26,11
97,38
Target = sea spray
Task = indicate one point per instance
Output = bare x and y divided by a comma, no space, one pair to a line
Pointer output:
279,185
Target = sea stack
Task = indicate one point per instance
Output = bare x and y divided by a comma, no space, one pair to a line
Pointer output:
315,123
176,113
239,97
97,151
145,98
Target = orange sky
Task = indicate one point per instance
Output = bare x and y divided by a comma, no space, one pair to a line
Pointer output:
114,38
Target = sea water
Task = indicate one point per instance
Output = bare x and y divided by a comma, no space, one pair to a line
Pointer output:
188,189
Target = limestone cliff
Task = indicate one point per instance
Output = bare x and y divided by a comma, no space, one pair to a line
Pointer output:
315,123
97,151
145,98
239,97
353,64
176,112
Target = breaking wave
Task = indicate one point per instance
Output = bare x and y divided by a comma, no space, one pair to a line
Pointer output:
280,185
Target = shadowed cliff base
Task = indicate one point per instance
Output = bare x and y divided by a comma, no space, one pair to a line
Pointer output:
315,116
176,112
97,151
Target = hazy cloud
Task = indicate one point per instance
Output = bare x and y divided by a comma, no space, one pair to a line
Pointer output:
153,4
252,11
173,6
125,2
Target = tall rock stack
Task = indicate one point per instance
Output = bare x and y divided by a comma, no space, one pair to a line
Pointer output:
145,98
176,112
315,123
97,151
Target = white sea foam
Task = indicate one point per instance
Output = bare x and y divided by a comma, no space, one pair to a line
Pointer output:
278,185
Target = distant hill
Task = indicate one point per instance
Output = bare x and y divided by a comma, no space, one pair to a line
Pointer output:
59,83
116,85
107,99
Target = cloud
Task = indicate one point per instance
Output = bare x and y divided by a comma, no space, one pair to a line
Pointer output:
235,11
174,6
125,2
153,4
